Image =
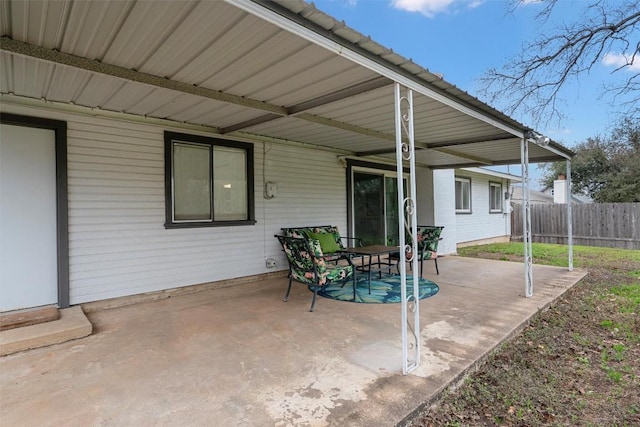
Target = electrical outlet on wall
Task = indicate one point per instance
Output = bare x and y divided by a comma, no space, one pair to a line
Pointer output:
270,190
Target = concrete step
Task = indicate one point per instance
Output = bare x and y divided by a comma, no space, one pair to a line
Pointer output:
33,316
72,324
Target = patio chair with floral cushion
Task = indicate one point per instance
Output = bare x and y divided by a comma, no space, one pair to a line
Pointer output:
428,238
309,266
331,241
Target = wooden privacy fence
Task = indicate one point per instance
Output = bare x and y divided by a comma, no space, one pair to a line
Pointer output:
611,225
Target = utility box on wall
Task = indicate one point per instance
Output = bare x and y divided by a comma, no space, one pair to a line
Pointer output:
270,190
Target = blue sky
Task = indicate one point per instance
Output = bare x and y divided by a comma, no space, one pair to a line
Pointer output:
462,39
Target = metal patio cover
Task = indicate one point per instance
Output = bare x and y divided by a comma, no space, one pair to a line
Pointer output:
274,71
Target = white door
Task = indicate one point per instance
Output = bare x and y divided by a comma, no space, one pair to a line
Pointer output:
28,236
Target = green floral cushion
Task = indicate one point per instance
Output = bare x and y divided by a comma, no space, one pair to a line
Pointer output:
338,273
308,265
428,238
304,232
327,242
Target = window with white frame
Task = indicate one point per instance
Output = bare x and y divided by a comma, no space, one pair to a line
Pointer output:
495,197
208,181
463,195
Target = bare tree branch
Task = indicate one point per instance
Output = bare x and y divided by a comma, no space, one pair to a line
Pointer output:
533,82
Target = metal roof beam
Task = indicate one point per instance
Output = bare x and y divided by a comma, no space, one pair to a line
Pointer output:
341,94
338,95
481,160
436,145
344,48
345,126
37,52
418,146
26,49
376,152
496,163
356,129
459,165
251,122
493,138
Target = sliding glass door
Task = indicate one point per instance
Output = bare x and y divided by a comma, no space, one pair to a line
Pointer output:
375,207
391,209
368,208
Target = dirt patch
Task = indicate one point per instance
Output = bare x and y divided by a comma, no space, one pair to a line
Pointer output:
575,364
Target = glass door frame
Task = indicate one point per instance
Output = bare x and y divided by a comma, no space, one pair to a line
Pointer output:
384,170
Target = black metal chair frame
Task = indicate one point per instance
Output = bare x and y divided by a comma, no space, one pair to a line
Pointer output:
313,258
397,256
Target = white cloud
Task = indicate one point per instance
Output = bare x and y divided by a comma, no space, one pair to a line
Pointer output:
429,8
621,59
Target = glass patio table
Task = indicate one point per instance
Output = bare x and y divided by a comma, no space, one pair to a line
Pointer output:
375,264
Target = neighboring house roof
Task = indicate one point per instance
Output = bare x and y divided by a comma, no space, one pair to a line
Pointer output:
496,174
279,71
545,196
580,198
576,198
534,196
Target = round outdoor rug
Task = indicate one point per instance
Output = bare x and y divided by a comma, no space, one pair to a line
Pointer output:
385,290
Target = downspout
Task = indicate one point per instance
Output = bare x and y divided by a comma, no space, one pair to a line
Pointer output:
506,184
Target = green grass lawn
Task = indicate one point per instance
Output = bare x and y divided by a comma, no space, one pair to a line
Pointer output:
548,254
575,364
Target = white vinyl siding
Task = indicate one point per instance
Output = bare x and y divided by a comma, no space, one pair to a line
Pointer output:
444,207
118,243
480,223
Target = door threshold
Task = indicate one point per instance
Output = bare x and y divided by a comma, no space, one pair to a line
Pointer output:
28,317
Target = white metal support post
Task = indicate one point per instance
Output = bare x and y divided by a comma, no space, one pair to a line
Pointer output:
405,151
526,219
569,216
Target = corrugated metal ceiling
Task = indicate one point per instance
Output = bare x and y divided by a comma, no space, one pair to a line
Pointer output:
211,63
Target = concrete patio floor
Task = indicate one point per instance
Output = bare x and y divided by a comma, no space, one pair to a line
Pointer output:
239,356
